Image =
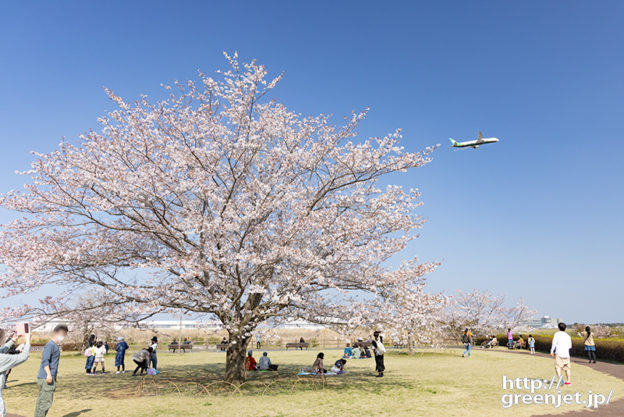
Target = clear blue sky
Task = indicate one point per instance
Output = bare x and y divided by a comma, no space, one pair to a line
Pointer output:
537,215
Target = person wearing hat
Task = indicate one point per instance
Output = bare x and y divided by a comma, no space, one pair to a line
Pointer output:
120,357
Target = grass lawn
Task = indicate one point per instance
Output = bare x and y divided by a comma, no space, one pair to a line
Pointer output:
430,383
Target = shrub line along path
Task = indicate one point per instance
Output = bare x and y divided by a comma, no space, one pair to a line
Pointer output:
614,409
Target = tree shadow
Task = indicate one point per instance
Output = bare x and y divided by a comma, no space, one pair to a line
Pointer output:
77,413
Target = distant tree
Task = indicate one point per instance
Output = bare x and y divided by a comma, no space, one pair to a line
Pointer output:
216,200
483,312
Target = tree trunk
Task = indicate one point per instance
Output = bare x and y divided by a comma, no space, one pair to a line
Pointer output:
410,345
235,359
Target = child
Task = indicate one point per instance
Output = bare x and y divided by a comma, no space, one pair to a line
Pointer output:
99,351
250,362
142,358
348,352
338,367
355,353
318,367
532,344
121,348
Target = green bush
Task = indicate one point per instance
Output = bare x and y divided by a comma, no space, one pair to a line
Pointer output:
607,349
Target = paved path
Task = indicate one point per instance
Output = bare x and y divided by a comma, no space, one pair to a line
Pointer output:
614,409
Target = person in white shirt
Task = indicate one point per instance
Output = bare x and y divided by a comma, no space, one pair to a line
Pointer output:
560,350
99,351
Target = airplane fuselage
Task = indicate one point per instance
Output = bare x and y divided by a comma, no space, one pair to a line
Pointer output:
475,143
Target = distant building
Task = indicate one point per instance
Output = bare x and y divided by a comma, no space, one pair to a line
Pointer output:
545,322
151,324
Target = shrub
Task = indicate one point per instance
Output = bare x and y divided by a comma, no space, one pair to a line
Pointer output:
606,349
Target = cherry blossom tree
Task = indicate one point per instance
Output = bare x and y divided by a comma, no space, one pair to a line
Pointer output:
216,200
408,314
483,312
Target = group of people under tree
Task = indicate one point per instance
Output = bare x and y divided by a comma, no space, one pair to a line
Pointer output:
358,351
379,351
97,349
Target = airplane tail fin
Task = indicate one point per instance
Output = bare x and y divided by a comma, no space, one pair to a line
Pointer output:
453,142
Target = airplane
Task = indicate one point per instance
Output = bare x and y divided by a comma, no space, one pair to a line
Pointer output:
474,143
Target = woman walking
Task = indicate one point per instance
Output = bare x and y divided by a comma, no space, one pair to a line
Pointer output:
590,345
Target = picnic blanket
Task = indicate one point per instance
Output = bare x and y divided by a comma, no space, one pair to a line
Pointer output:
303,372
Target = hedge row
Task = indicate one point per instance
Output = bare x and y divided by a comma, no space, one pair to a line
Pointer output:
606,349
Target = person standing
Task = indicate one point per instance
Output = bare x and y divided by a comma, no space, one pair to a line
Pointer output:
379,350
48,371
154,358
509,339
90,354
560,350
99,352
590,345
467,340
258,341
9,360
532,344
120,357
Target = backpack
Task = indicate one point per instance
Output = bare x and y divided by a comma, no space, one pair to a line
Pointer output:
465,338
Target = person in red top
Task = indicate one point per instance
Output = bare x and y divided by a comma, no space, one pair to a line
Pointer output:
250,362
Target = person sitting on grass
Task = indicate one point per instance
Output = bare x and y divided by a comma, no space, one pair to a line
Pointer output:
367,353
338,367
250,362
519,344
355,353
348,352
264,364
142,358
318,366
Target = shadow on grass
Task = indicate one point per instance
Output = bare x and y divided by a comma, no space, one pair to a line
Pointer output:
207,379
77,413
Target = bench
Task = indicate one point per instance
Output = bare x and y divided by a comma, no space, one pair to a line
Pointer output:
297,345
183,347
222,346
